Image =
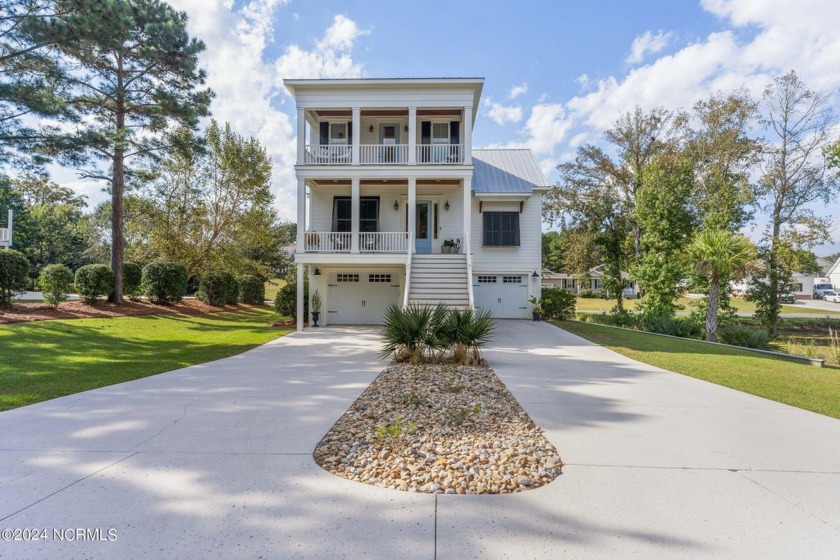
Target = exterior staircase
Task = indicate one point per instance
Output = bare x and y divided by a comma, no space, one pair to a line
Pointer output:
439,279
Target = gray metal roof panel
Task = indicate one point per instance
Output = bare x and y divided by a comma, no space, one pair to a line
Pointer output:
501,171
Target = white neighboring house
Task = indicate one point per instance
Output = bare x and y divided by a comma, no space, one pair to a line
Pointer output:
389,173
6,232
833,274
572,284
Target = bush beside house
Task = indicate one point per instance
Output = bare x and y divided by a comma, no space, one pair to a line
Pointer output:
14,271
56,281
252,289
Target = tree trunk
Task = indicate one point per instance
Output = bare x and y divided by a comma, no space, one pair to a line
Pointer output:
712,310
117,187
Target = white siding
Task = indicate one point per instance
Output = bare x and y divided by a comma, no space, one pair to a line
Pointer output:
526,257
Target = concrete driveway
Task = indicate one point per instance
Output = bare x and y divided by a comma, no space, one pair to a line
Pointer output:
213,461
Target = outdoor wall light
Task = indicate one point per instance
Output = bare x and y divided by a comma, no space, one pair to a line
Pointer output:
371,128
535,275
396,205
317,272
406,128
446,206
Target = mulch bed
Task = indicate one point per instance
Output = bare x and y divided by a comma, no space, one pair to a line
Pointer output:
20,312
439,429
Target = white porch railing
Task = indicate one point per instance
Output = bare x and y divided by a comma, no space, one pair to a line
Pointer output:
383,242
327,242
325,154
5,236
440,153
381,154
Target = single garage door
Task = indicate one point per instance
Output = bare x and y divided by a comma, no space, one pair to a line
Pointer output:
504,295
361,298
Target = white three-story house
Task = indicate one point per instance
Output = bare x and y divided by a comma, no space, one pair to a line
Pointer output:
396,207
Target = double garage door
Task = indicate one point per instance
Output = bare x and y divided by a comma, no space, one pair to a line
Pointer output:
504,295
361,298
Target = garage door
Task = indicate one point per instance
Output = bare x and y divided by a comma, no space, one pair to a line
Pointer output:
504,295
361,298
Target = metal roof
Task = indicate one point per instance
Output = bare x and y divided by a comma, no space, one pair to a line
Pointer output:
506,172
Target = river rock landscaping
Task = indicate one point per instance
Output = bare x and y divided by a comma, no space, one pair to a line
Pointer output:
443,429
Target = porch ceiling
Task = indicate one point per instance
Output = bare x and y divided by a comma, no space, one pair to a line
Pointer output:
385,182
326,113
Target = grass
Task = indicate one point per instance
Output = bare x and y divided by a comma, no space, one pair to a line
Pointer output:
272,287
814,389
48,359
741,305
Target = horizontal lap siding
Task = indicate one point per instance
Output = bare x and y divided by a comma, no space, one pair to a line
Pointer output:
526,257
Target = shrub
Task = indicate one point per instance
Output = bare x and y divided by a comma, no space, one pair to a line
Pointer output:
558,304
132,277
252,289
93,281
164,282
55,281
673,326
464,333
589,294
616,319
219,288
285,302
14,271
744,336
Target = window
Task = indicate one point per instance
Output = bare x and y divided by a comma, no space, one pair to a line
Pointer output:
338,133
379,278
440,133
799,287
344,277
596,283
486,279
569,283
368,214
501,229
511,280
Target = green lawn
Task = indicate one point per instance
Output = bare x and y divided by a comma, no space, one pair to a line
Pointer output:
273,286
743,306
47,359
815,389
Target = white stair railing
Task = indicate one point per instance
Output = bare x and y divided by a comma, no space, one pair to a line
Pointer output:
468,252
409,255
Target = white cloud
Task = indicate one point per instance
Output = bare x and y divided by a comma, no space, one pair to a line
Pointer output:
646,44
502,114
341,34
547,127
516,91
331,57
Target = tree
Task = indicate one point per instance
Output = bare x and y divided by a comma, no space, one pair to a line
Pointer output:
134,75
552,254
667,220
724,155
794,177
720,254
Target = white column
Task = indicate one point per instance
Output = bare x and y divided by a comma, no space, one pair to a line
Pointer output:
412,211
357,134
355,206
301,216
467,211
299,313
301,135
412,135
468,135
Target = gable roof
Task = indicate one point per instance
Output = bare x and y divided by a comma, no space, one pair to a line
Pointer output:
506,172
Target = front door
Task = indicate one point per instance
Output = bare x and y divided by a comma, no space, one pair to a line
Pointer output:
423,231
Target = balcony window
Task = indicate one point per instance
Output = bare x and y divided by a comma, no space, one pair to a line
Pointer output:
338,133
440,133
368,214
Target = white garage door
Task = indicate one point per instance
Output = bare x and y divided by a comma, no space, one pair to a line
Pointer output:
504,295
361,298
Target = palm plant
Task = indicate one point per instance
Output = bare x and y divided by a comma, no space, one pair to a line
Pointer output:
720,254
466,332
411,332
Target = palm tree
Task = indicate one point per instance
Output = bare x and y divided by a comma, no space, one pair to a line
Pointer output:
720,254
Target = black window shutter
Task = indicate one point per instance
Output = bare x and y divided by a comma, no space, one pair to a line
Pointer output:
454,132
501,229
324,130
350,133
426,132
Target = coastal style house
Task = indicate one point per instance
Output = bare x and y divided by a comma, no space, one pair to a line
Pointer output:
396,207
590,282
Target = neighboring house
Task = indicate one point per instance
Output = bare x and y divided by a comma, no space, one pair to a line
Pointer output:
390,176
833,274
6,232
575,285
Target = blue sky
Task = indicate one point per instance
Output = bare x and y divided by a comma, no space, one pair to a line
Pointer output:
575,65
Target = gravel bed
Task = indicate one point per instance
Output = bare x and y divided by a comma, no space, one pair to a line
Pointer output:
441,429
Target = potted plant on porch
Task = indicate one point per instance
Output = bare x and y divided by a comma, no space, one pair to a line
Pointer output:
446,248
536,308
316,308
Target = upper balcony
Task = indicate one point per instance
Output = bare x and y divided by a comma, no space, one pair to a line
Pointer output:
389,137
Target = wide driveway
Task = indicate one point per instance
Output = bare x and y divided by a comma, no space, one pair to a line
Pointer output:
214,461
